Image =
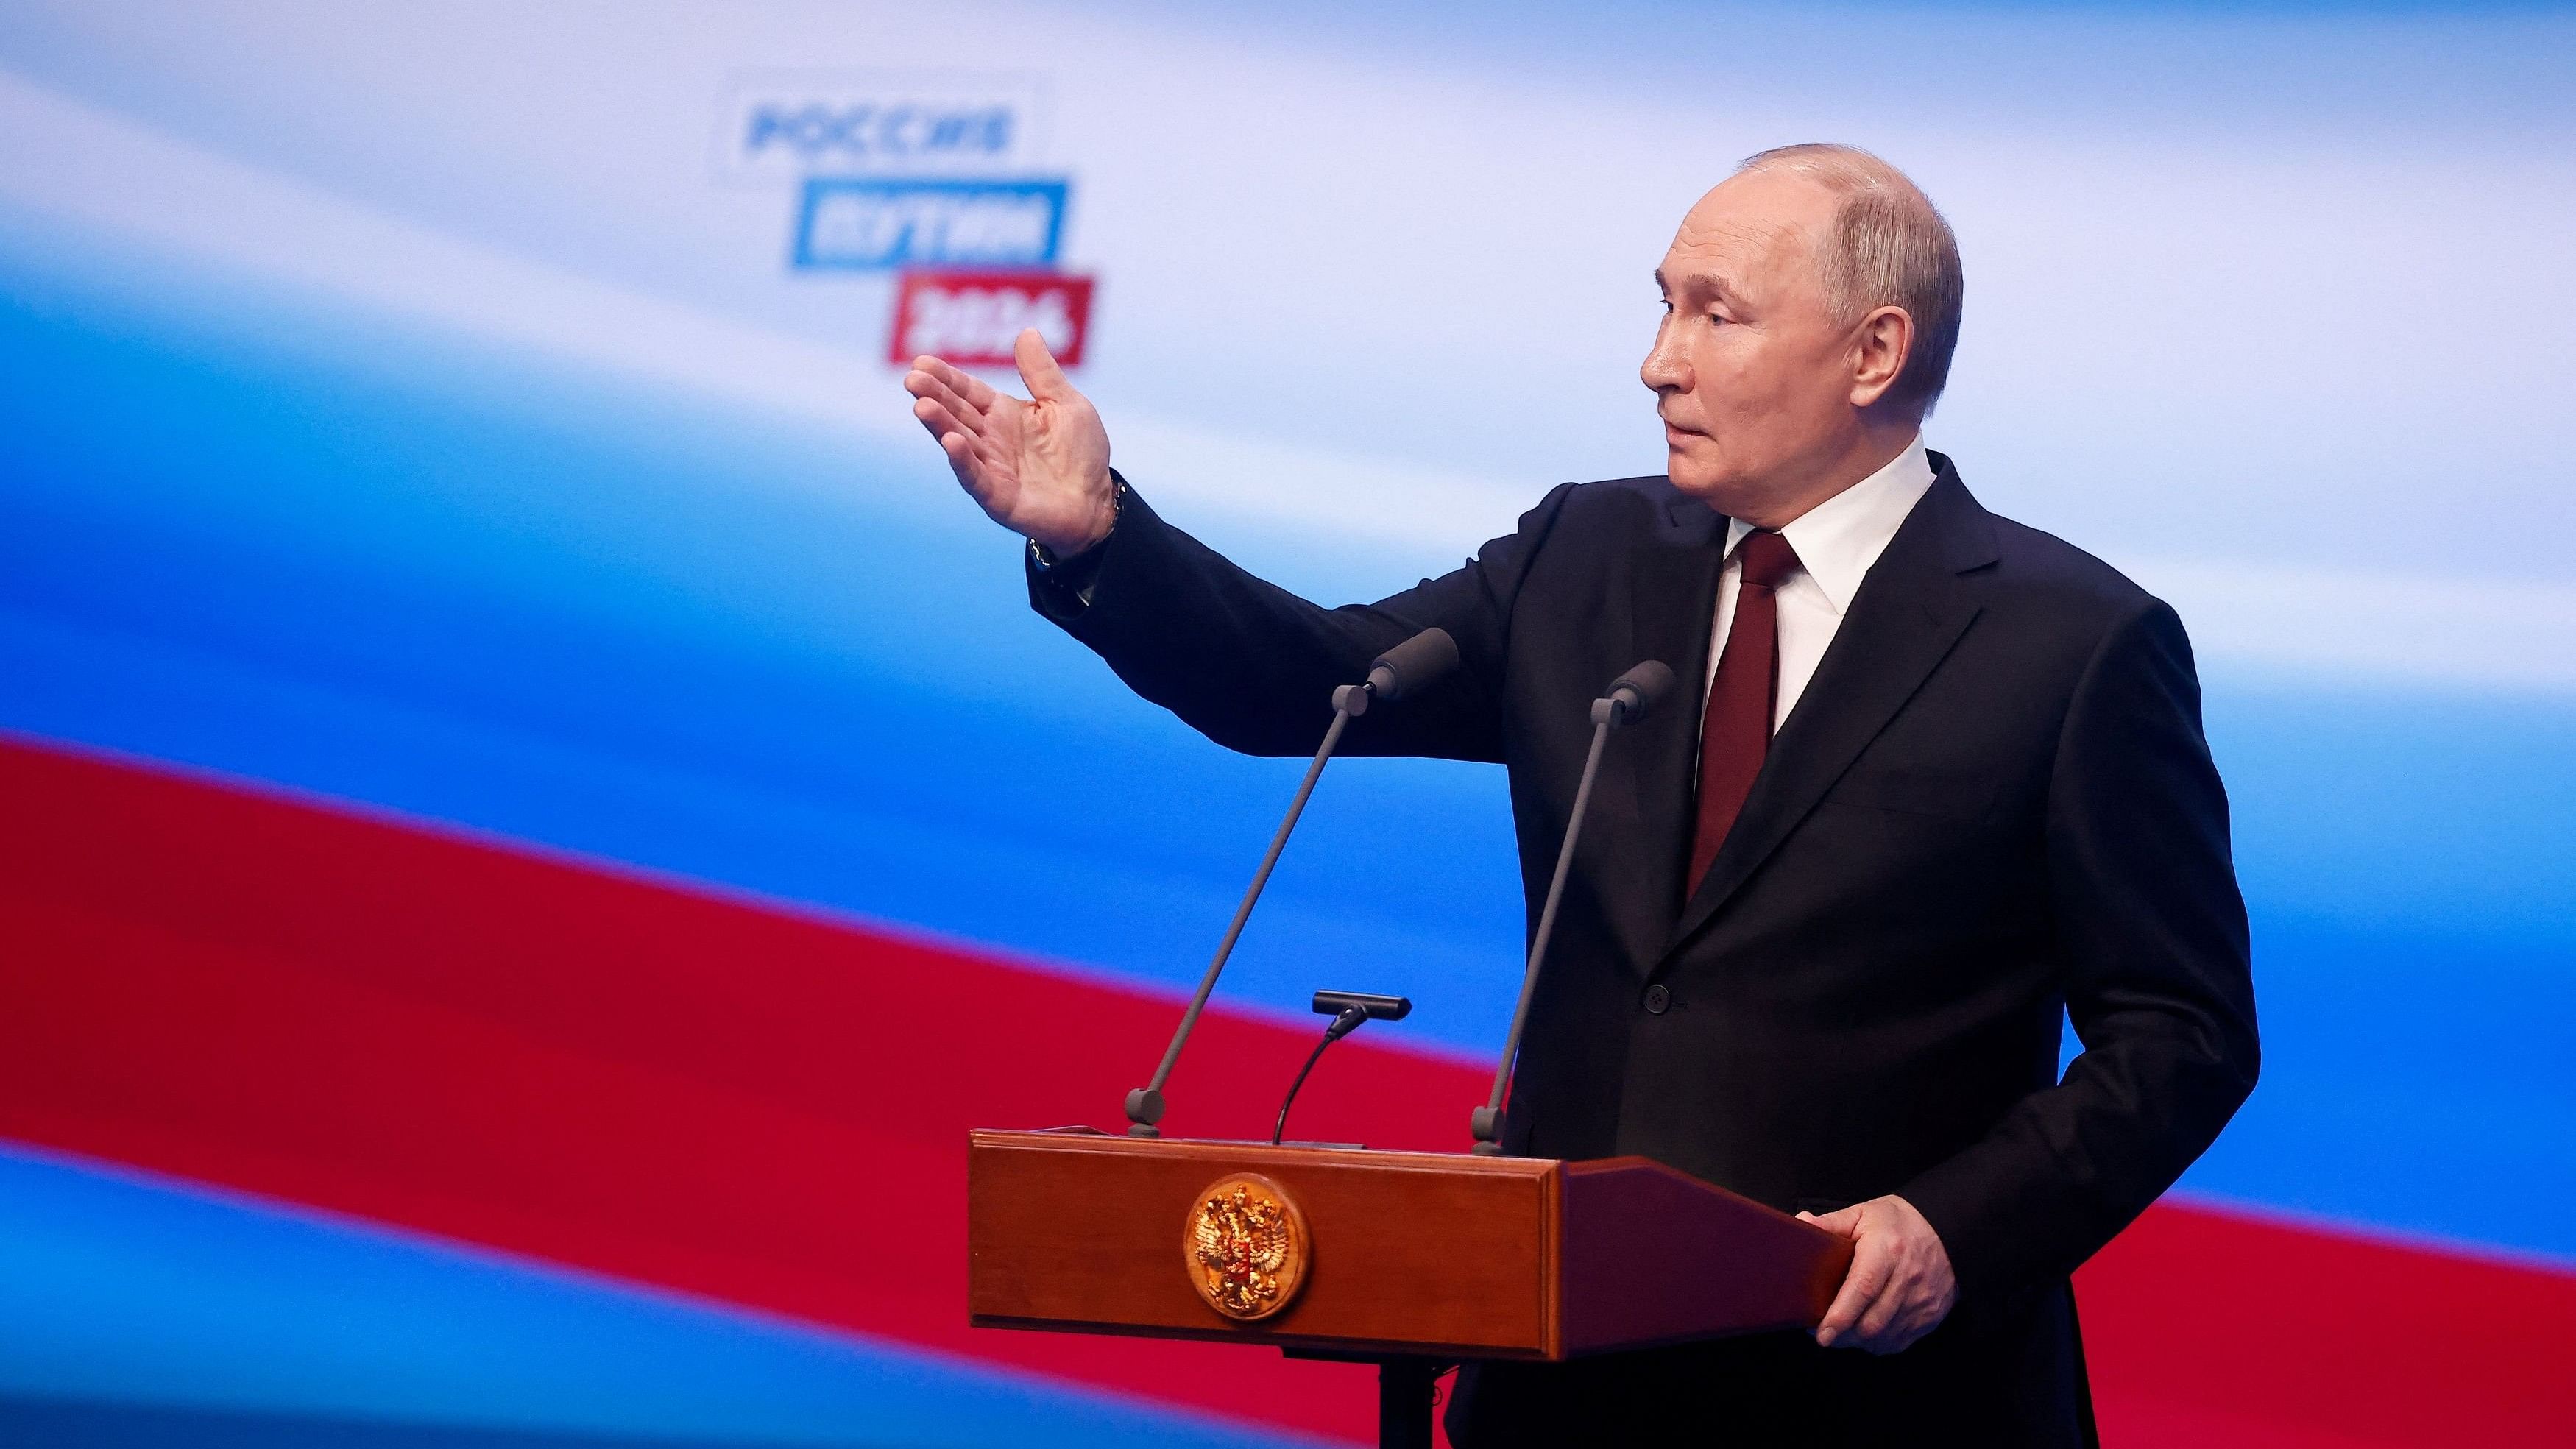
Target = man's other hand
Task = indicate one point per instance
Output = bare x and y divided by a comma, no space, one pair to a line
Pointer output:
1040,468
1899,1287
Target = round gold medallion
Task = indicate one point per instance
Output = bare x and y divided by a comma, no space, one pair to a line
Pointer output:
1246,1246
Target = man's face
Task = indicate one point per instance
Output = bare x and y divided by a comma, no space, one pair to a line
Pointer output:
1751,376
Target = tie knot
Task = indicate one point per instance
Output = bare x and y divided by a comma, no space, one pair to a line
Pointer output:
1767,559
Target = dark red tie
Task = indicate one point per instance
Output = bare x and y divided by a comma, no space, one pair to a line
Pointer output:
1735,730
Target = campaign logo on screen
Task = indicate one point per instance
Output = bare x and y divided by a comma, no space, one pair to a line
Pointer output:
784,125
971,318
878,225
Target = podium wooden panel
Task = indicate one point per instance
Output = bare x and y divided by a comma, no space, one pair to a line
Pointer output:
1432,1255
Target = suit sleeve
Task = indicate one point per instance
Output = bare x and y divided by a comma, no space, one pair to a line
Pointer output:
2157,975
1253,667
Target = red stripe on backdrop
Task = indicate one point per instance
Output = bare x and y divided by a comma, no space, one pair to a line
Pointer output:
770,1109
2214,1328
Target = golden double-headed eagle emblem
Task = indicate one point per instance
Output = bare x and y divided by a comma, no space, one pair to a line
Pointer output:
1246,1246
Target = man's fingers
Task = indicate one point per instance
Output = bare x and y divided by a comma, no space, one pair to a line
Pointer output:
929,388
954,441
1844,1314
1861,1287
939,421
1046,381
977,393
1860,1282
1873,1327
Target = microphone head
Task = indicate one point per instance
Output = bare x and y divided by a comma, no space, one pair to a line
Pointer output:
1375,1008
1637,690
1416,662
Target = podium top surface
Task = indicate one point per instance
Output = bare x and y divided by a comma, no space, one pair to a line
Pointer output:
1092,1139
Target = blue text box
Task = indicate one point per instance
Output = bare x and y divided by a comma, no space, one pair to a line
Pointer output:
876,225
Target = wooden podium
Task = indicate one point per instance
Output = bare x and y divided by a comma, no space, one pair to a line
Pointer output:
1406,1259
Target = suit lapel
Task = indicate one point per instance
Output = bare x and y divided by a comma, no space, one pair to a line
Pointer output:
1910,611
1671,609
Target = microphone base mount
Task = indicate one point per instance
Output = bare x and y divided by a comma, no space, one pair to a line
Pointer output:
1144,1109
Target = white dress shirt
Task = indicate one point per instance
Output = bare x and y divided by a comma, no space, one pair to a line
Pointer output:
1836,541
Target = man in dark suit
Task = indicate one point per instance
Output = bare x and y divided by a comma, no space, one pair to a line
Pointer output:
1944,786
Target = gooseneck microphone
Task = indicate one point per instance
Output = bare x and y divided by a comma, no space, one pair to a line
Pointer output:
1402,670
1630,696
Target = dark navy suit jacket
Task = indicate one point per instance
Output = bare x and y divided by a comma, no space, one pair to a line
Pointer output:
1991,809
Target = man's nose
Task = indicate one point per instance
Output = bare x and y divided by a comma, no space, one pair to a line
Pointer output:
1663,370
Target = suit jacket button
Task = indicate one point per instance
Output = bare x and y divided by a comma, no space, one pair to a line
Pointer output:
1657,998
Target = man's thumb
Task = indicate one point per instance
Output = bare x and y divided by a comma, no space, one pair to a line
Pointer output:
1038,367
1842,1222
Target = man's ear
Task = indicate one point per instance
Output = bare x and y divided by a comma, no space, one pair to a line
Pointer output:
1880,345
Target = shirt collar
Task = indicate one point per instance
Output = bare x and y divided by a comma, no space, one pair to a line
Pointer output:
1838,539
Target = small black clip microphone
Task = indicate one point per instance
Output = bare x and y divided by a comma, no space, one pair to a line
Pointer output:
1350,1011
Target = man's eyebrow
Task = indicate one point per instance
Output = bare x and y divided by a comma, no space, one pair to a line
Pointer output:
1708,282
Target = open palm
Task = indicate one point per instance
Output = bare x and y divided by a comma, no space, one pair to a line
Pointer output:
1040,468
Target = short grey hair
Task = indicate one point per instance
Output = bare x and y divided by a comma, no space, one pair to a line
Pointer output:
1890,248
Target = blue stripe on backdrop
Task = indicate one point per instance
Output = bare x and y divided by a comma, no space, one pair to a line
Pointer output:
589,618
2412,1081
141,1314
60,1424
2410,860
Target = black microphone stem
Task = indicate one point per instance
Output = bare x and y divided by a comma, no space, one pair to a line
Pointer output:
1343,1025
1146,1106
1400,671
1631,695
1488,1123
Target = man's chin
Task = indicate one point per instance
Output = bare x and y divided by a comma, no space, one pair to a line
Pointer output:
1696,477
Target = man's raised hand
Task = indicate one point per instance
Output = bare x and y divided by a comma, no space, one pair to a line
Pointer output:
1040,468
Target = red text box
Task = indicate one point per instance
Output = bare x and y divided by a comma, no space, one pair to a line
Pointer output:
971,318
